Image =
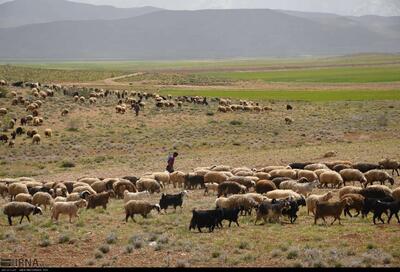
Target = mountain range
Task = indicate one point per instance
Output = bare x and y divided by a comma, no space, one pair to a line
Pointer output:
67,30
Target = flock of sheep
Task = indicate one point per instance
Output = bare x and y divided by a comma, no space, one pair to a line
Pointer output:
32,101
273,191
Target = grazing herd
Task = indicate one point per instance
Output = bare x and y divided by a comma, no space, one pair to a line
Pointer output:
273,192
31,102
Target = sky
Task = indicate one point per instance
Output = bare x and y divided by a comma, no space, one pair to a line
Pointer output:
342,7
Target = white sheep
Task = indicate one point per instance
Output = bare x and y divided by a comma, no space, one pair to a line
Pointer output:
23,198
215,177
305,188
290,173
133,207
36,139
349,190
17,188
135,196
211,187
69,208
308,174
282,194
352,175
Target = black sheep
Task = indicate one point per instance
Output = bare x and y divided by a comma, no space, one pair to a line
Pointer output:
19,130
204,219
381,207
365,167
299,165
4,138
232,215
172,200
369,204
291,211
192,181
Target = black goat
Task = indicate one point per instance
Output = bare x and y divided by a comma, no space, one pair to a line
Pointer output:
232,215
192,181
172,200
204,219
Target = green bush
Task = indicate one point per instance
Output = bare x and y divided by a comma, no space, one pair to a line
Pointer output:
67,164
3,92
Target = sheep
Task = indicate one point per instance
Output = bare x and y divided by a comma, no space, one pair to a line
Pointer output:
378,175
4,138
121,185
320,171
224,168
315,166
243,202
48,132
172,200
100,186
64,112
331,177
270,211
148,184
305,188
349,190
230,187
3,111
277,181
246,181
243,173
268,169
211,186
99,200
204,219
352,175
333,209
281,194
215,177
257,197
308,174
75,196
365,167
262,175
332,164
192,180
3,190
88,180
264,186
135,196
312,200
82,188
381,207
376,191
299,165
232,215
36,139
69,208
340,167
287,184
390,164
396,193
133,207
42,198
177,178
23,198
284,173
22,209
357,203
17,188
60,199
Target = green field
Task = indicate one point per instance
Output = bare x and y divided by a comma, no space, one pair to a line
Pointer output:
327,75
321,96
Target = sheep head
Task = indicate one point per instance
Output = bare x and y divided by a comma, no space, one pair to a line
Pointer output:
37,210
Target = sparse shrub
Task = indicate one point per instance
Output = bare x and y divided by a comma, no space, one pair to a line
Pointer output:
275,253
163,240
98,254
74,124
210,113
63,238
158,247
292,254
383,120
104,248
128,249
235,122
44,242
10,237
215,254
67,164
153,237
371,246
243,245
111,238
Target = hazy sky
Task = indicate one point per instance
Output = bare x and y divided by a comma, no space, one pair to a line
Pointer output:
345,7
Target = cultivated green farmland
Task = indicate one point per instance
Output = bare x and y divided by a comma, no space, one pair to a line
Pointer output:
291,95
328,75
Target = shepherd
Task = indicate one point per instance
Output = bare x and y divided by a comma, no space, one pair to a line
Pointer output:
171,160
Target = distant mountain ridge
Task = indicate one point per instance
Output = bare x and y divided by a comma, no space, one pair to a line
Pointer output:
213,34
25,12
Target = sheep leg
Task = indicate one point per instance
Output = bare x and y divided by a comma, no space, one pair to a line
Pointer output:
199,229
126,218
390,217
334,221
22,217
397,216
10,221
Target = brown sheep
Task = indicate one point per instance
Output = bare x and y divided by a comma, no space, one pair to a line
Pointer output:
357,203
333,209
264,186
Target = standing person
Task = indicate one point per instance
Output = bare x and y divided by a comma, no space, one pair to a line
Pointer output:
136,108
171,160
